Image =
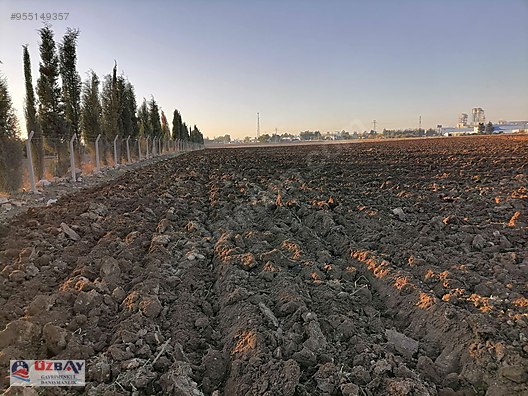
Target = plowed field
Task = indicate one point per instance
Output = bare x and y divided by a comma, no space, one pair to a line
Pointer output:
388,268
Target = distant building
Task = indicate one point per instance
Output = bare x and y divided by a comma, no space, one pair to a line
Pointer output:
511,127
462,120
450,131
501,127
478,117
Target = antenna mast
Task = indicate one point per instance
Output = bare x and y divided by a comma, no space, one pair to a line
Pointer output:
258,125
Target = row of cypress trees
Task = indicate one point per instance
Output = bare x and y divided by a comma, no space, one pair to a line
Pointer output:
64,105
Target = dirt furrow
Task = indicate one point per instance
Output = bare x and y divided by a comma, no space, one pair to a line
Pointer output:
395,268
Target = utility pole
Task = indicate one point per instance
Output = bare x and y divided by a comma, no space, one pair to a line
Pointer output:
374,124
258,125
420,123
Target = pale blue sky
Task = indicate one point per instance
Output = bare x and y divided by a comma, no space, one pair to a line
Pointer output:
318,65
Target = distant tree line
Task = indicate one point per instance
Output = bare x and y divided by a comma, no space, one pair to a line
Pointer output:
486,129
344,135
402,133
64,105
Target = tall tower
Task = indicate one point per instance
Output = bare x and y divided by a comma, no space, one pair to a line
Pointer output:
258,125
462,120
478,117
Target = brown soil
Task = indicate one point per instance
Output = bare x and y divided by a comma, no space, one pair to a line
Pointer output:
387,268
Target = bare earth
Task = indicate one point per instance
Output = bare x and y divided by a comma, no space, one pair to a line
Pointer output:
382,268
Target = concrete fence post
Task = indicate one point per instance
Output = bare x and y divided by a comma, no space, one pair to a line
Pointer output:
30,162
72,157
148,138
116,162
97,158
128,149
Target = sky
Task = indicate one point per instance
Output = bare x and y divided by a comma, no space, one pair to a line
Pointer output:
303,65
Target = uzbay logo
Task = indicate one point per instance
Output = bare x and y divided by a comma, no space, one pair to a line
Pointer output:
52,365
20,371
47,373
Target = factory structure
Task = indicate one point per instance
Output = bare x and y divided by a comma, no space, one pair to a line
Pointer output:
477,117
465,126
469,126
462,121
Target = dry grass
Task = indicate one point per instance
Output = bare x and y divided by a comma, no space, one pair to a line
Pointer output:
480,302
246,342
521,302
269,267
87,168
425,301
513,219
315,278
293,248
401,282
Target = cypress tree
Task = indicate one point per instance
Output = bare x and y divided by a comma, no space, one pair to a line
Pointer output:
154,118
196,136
51,111
10,145
193,136
144,120
110,105
199,136
91,112
185,132
128,122
165,130
71,81
8,121
30,112
176,125
120,92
